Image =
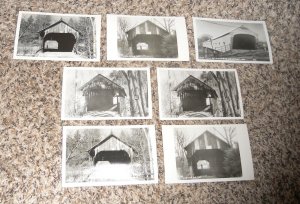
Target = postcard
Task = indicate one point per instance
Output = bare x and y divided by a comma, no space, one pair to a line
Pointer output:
234,41
206,153
146,38
109,155
106,93
191,94
55,36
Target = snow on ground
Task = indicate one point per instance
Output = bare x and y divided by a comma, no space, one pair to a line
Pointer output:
59,55
100,114
104,171
189,114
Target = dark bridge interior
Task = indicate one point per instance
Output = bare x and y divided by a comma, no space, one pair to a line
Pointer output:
118,156
244,42
215,157
194,101
65,42
153,42
101,100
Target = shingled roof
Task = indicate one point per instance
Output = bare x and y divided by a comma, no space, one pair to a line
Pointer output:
106,139
231,30
185,85
58,22
154,23
99,80
191,140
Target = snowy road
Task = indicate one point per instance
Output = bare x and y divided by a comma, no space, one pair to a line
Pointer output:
59,55
105,171
191,114
101,114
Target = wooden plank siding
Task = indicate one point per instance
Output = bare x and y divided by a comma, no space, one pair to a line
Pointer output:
113,144
147,28
224,43
206,140
59,27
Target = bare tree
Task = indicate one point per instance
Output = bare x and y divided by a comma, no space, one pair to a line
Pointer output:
181,160
169,87
131,101
92,20
79,143
136,93
122,37
167,23
123,26
180,139
86,28
225,86
137,90
235,103
72,145
142,94
141,143
218,80
228,134
25,26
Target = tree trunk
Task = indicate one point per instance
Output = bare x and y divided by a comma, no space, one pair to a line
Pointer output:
24,31
93,35
230,109
136,93
224,110
75,102
141,91
231,94
170,98
132,112
149,150
74,147
89,43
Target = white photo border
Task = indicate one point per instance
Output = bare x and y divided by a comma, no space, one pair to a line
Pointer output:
152,137
97,37
112,29
160,93
147,69
233,21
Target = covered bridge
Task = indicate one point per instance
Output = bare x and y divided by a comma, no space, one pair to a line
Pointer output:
59,37
146,38
113,150
240,38
102,94
195,95
205,154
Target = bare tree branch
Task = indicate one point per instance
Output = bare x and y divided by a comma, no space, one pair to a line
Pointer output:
77,142
229,134
167,24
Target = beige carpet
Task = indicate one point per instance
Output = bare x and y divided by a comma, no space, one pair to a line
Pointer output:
30,125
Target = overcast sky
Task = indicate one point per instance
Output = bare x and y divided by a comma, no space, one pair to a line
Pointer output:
134,21
54,18
191,133
105,132
177,77
217,28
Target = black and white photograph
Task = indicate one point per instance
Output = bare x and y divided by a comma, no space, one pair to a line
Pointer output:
234,41
207,153
154,38
54,36
108,155
190,94
106,93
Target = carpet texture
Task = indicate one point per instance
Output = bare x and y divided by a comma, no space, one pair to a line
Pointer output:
31,128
